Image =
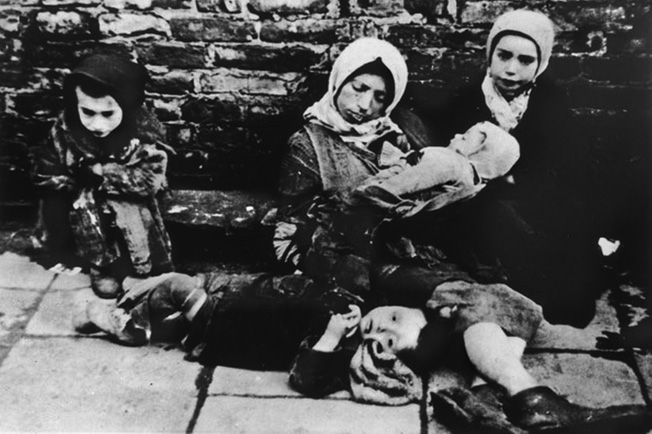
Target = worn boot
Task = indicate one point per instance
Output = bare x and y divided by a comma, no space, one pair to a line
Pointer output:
477,411
541,410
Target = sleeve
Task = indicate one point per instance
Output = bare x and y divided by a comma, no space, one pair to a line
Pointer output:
49,166
300,179
416,131
318,374
299,183
142,175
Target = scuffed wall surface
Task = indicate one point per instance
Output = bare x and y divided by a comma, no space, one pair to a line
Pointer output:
230,78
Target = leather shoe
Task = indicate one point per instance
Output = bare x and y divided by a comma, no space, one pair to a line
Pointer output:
541,410
476,411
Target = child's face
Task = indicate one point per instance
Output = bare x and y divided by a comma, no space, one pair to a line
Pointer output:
100,115
397,328
468,142
513,64
362,98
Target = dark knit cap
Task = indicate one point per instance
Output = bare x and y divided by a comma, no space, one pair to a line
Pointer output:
123,79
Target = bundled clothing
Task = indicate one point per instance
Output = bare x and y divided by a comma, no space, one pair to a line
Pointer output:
440,176
112,217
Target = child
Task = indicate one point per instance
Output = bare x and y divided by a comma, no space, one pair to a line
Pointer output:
441,175
469,328
100,172
260,321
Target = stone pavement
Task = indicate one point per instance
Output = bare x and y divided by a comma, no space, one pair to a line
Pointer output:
55,380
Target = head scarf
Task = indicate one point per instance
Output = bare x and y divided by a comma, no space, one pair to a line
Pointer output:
358,54
534,26
125,81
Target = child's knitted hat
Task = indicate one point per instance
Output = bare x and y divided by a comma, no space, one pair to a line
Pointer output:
530,24
380,377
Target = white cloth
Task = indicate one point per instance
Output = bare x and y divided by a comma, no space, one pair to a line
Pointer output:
507,113
354,56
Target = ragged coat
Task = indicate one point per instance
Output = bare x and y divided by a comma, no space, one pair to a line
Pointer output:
104,189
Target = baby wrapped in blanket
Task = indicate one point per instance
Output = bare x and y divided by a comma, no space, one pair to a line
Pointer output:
433,177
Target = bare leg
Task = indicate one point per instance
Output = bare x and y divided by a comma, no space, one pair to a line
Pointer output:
497,357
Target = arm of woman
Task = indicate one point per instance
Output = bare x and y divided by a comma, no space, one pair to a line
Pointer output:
299,180
298,185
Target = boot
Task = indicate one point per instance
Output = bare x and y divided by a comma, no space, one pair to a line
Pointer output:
466,411
112,320
541,410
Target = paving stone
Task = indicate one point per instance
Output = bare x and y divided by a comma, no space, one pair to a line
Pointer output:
644,364
66,282
230,414
88,385
54,316
563,337
242,382
19,272
15,309
585,379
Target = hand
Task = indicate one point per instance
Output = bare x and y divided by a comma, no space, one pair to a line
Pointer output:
339,326
97,169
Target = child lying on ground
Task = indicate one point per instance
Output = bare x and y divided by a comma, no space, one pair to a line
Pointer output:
100,172
471,329
432,177
261,321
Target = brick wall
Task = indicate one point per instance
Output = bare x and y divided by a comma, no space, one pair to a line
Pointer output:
230,78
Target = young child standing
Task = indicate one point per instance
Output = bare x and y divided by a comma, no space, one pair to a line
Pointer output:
100,172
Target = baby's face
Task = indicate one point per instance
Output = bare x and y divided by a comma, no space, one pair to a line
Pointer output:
468,142
395,327
101,116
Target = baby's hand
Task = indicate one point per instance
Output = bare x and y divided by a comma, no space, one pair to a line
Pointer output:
339,326
96,169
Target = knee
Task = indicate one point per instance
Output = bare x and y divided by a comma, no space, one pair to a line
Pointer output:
105,285
181,285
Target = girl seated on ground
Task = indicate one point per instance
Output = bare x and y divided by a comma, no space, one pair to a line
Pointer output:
100,173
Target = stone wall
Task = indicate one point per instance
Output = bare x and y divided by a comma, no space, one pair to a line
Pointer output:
230,78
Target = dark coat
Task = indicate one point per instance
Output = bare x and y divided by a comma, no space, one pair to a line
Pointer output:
535,230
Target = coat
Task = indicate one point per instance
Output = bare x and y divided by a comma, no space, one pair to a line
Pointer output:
121,204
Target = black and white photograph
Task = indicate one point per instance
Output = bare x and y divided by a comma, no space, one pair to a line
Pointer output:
326,216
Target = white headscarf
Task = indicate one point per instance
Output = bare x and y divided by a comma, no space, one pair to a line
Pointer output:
357,54
535,26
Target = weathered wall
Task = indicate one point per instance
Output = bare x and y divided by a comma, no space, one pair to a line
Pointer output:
230,78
